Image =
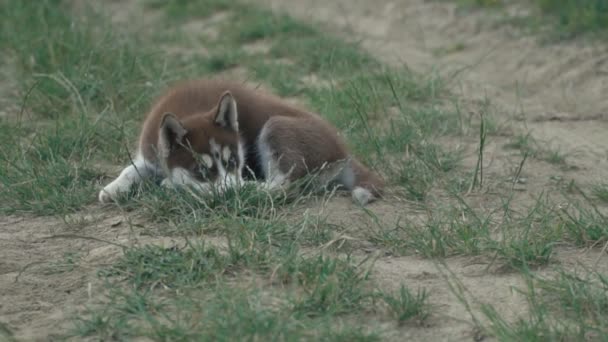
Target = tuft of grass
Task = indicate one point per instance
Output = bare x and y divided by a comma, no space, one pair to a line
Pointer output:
600,192
330,286
568,18
152,266
585,226
258,24
406,306
568,306
451,230
519,240
539,150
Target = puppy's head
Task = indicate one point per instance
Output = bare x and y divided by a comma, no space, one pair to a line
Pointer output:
203,149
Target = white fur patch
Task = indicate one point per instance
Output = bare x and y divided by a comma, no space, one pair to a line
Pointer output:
273,177
226,153
207,160
221,155
215,150
362,196
216,153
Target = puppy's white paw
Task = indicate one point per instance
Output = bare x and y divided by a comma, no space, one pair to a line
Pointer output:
106,195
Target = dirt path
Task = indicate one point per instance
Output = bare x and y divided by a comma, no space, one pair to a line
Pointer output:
555,91
48,268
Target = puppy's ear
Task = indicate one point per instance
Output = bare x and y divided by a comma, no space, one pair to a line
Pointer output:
227,115
171,134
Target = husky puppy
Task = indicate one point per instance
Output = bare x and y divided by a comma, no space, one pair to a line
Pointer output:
214,133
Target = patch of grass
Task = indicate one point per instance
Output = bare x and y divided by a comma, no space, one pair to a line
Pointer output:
152,266
330,286
569,18
600,191
323,289
482,3
527,239
581,296
406,306
575,17
539,150
257,24
525,251
519,240
178,10
567,306
451,230
197,292
225,315
96,82
49,174
69,65
584,224
81,84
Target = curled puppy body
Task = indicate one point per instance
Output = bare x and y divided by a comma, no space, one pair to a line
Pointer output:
214,134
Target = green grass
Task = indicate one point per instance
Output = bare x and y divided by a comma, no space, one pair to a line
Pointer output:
406,306
82,88
538,149
508,238
190,293
568,18
94,86
577,16
600,191
567,306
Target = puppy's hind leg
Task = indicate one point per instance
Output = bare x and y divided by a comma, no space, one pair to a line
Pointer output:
133,174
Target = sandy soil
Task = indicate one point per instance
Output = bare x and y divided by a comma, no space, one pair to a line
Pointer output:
48,266
47,269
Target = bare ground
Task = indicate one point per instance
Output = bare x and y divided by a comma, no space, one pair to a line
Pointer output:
47,270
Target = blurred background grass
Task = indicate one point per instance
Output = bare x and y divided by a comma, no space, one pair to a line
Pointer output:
570,17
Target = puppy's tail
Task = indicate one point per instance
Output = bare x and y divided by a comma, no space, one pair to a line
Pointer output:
367,186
